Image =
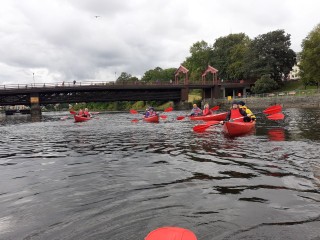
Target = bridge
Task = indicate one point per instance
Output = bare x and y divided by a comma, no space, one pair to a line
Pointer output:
34,95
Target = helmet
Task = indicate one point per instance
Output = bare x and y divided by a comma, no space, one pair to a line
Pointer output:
242,103
235,102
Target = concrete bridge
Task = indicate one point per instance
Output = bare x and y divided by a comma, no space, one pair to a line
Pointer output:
35,95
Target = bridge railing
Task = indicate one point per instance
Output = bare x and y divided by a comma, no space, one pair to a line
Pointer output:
105,83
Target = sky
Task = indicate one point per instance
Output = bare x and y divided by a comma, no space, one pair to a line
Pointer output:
50,41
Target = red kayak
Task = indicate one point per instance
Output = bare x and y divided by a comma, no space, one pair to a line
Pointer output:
153,119
212,117
171,233
238,128
80,118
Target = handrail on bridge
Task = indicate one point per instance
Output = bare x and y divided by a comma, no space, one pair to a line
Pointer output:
101,83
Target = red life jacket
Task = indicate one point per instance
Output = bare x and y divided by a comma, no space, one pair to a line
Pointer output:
235,113
86,113
206,111
80,113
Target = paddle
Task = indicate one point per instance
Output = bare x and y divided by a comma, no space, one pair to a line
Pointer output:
171,233
276,116
215,108
273,111
203,127
132,111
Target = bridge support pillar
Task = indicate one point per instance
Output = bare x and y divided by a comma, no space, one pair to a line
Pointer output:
35,105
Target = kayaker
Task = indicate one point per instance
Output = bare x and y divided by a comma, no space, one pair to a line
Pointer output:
86,113
248,111
196,111
206,110
80,113
236,113
152,113
146,113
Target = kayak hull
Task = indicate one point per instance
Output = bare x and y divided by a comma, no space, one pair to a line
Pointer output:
233,129
153,119
80,118
212,117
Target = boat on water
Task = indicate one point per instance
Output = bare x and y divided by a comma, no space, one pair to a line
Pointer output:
81,118
152,119
213,117
233,129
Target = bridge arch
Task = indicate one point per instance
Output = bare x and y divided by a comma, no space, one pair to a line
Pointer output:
212,70
183,70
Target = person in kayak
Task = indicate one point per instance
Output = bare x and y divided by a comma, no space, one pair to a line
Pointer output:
86,113
206,110
196,111
80,113
248,111
236,114
150,112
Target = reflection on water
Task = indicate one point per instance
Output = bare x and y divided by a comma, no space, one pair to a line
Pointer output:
112,179
276,134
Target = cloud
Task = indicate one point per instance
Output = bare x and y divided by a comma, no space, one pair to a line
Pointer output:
63,40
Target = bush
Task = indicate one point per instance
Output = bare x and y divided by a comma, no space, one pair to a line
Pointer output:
264,84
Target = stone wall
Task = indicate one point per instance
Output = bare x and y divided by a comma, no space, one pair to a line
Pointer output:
286,101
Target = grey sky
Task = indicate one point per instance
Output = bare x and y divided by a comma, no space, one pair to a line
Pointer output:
60,40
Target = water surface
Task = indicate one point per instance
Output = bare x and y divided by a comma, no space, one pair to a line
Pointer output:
112,179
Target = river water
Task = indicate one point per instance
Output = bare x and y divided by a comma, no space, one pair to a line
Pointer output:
113,179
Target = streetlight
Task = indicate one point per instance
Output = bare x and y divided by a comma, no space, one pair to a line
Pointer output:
34,83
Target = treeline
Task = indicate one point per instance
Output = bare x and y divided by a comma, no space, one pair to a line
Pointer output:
108,106
267,59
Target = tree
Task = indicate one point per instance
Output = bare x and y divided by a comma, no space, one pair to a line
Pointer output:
310,60
264,84
126,78
228,55
270,53
201,57
159,74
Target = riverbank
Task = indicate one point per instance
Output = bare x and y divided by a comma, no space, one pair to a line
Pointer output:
312,101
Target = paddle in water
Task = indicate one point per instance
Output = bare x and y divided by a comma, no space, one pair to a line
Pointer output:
171,233
273,112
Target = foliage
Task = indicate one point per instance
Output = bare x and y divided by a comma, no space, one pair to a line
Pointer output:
264,84
228,55
126,78
270,53
201,57
159,75
310,60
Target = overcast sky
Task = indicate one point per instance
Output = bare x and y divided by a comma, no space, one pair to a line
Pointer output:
63,40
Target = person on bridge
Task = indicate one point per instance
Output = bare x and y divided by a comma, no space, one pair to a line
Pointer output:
195,111
206,110
248,111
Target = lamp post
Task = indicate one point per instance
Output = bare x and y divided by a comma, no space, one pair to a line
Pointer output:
34,83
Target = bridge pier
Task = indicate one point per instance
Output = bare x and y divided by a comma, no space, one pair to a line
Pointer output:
35,109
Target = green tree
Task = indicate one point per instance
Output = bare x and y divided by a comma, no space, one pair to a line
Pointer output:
159,74
310,58
201,57
126,78
270,53
264,84
228,55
